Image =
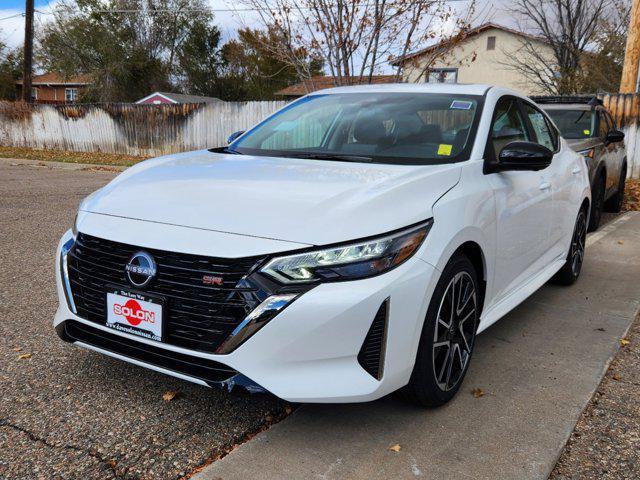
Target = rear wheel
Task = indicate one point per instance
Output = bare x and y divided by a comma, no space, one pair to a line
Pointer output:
447,338
614,204
570,271
597,199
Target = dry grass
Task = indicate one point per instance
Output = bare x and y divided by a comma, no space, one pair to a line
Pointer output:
96,158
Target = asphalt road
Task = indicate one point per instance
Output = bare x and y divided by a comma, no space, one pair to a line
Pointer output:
69,413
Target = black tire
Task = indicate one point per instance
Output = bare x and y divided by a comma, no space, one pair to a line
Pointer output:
427,387
597,203
570,271
614,204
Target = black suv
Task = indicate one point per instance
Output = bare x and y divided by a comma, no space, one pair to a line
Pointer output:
591,131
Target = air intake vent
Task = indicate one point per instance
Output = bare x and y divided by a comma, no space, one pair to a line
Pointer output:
371,356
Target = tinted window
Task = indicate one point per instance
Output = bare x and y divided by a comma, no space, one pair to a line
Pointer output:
605,125
573,123
540,126
508,125
383,127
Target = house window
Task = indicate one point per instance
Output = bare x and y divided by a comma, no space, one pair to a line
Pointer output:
491,43
442,75
70,94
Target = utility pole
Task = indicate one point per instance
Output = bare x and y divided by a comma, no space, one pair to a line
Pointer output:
28,51
630,74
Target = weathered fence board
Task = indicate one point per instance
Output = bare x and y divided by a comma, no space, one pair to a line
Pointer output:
625,109
127,128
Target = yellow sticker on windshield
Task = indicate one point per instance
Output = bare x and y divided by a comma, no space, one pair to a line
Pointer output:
586,132
444,149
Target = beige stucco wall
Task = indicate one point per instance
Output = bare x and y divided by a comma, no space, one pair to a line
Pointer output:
489,66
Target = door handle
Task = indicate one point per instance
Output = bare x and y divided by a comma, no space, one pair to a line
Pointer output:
575,171
545,186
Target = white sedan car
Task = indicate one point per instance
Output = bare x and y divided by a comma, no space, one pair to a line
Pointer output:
351,245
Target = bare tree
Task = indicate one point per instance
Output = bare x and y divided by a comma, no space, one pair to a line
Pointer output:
568,28
353,38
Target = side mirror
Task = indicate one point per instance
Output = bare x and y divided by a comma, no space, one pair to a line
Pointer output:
614,136
524,156
234,135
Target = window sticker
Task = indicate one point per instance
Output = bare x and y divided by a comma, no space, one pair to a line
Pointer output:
444,149
587,132
461,105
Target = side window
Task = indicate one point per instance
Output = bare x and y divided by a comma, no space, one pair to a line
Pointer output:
605,126
540,126
612,122
508,125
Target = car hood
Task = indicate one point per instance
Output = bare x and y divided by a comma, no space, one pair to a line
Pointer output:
309,202
579,144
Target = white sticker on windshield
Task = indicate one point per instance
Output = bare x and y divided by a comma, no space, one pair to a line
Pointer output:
461,105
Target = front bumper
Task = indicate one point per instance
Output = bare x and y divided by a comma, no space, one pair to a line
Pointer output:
308,352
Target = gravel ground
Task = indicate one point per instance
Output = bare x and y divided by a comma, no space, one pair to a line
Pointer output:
606,441
69,413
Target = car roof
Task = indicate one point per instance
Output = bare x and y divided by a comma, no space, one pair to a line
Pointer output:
453,88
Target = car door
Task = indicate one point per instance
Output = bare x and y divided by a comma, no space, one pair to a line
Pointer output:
609,153
523,202
562,175
617,149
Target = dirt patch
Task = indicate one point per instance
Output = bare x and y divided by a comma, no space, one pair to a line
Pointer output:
604,444
96,158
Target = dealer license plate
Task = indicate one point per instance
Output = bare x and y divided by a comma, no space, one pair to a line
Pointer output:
135,313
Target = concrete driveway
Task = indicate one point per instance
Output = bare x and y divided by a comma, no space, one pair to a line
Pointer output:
537,367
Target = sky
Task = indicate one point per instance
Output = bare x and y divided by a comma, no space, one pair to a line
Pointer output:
12,29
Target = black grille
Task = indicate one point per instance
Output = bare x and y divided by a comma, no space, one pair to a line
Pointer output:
371,355
197,316
206,370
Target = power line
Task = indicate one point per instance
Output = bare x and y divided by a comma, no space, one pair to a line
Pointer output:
21,14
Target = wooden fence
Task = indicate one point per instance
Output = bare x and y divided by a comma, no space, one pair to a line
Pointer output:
128,128
625,108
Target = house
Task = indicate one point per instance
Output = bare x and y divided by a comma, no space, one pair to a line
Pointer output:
488,53
158,98
321,82
55,88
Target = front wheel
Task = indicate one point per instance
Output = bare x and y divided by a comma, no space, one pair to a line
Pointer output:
448,336
570,271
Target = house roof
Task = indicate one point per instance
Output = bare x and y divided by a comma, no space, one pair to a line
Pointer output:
53,78
471,33
181,98
320,82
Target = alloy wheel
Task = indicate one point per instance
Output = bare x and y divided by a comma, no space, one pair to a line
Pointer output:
578,244
455,330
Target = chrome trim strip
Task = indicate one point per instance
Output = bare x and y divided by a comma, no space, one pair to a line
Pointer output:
65,273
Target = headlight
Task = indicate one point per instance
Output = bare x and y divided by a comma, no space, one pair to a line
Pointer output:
349,262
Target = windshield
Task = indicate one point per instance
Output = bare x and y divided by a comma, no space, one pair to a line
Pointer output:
404,128
574,123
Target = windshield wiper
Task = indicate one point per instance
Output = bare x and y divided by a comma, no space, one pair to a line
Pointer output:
224,150
331,156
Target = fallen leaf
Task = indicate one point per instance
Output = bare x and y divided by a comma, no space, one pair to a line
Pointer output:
395,448
617,377
112,463
478,392
169,395
68,387
620,242
624,342
17,349
24,356
269,418
288,410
